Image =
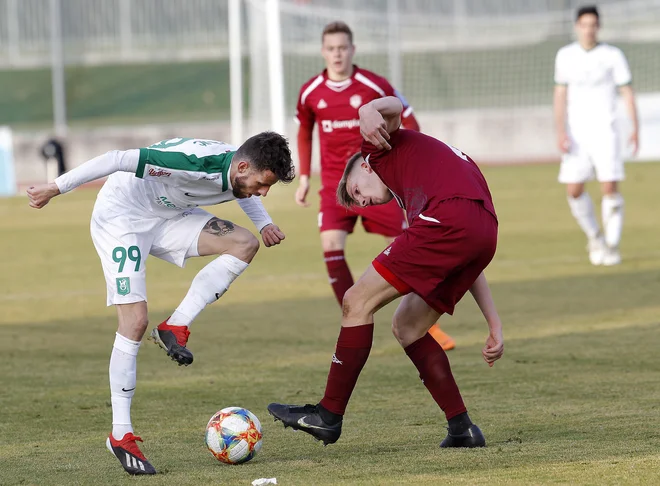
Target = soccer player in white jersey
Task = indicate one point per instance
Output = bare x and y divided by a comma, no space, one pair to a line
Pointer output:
149,205
588,75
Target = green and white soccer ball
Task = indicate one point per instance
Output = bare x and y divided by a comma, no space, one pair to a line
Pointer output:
233,435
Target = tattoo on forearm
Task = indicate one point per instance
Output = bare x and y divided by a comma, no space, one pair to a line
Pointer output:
219,227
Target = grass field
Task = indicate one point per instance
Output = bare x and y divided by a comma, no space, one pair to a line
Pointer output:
199,91
575,400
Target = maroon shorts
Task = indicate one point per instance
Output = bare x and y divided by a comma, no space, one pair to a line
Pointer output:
442,253
386,219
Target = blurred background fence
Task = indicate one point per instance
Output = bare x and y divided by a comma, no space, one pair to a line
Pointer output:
478,72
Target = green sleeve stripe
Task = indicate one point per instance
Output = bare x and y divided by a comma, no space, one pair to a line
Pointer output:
144,157
225,173
210,164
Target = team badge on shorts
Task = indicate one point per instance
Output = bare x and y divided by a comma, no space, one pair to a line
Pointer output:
124,285
355,101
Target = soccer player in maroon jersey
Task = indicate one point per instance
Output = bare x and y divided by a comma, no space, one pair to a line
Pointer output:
332,100
450,241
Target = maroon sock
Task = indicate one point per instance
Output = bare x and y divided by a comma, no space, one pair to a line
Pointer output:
433,366
338,272
351,354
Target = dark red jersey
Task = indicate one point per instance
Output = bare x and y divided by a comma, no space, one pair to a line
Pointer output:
422,171
334,107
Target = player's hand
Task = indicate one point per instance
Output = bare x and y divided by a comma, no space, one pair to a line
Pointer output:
271,235
633,141
301,192
41,194
373,128
563,142
494,347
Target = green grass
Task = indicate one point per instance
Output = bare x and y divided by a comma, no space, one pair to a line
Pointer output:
199,91
573,401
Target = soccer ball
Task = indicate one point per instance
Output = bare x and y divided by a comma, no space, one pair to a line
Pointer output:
233,435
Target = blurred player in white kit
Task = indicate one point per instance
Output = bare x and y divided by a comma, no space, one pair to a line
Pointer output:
588,76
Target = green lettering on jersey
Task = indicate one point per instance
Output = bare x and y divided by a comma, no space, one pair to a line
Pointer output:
169,143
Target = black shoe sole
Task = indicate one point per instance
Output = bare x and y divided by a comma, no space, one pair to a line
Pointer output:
475,438
295,426
178,358
148,470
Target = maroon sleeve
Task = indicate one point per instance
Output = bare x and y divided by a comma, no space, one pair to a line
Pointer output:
306,118
305,150
304,114
376,155
408,119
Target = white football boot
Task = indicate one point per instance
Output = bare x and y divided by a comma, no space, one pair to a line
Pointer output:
597,250
612,257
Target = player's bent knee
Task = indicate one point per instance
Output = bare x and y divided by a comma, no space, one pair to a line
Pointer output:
133,321
332,245
574,192
245,246
252,246
399,329
352,304
396,330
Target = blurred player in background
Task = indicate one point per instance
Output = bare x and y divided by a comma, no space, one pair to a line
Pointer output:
332,100
149,205
451,240
588,75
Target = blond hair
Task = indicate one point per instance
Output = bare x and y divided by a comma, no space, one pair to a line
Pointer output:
343,196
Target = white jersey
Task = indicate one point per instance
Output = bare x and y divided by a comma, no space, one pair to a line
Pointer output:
182,173
592,78
166,178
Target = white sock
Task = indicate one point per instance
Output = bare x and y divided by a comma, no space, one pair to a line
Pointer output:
583,211
209,285
612,209
123,374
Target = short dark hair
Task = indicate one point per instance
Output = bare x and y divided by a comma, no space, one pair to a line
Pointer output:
587,10
343,196
269,151
338,27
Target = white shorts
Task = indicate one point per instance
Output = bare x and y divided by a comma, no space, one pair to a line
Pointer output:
124,236
596,152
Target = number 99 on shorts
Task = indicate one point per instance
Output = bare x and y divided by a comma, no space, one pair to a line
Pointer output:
121,254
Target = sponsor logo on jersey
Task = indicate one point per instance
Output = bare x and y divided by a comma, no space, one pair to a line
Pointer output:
163,201
355,101
332,125
159,173
387,252
322,104
212,177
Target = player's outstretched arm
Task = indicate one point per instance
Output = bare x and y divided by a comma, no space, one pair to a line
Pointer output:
494,347
379,118
98,167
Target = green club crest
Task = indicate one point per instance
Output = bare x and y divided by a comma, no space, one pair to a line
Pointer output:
124,286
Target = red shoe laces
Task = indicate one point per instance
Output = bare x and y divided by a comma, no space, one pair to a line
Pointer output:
128,443
181,333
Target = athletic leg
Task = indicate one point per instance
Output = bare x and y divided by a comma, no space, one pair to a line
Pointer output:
324,421
236,247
